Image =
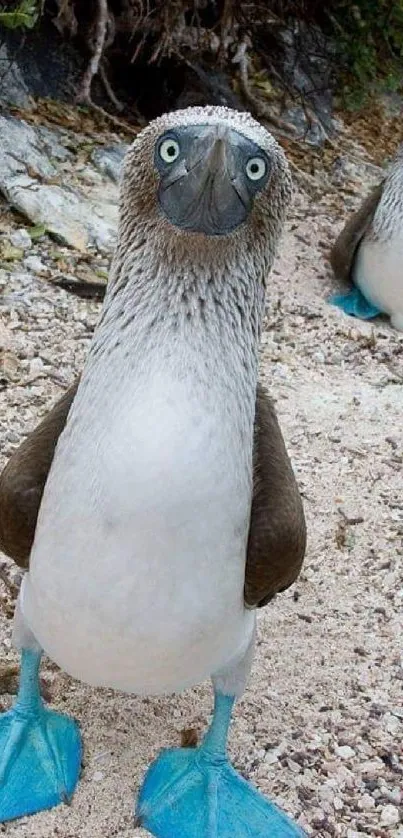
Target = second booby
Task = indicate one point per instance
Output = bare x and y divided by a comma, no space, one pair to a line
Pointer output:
369,252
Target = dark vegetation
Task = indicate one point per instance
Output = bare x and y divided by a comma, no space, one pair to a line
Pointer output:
141,57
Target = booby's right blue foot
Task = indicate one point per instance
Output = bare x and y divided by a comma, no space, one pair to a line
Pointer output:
196,793
189,794
355,304
40,751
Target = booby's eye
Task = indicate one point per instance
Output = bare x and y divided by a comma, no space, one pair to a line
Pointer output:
169,150
256,168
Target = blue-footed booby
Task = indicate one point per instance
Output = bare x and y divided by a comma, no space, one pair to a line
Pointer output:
155,508
369,252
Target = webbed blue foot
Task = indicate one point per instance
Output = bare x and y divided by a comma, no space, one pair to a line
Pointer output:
40,750
355,304
196,793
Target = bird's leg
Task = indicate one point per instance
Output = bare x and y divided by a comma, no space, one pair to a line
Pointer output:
194,792
40,750
214,745
355,304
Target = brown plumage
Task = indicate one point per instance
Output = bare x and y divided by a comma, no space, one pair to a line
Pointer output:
277,535
344,250
23,479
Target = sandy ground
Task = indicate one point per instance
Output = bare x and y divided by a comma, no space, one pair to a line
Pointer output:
320,726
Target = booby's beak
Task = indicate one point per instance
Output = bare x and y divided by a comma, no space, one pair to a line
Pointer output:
209,175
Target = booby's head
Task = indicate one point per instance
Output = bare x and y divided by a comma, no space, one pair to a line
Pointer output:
202,174
209,175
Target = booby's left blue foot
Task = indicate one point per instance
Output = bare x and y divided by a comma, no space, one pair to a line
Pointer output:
355,304
40,750
195,793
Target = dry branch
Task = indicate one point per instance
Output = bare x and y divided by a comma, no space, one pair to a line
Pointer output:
108,87
259,107
101,24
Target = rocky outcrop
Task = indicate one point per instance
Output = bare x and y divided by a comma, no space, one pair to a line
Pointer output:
34,162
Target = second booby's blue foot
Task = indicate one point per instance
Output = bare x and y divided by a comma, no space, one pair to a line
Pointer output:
355,304
40,750
196,793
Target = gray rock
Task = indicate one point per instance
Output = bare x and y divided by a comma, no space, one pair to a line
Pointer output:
109,160
34,264
312,133
344,169
13,88
52,143
21,147
366,802
345,752
307,65
83,216
44,64
389,815
36,367
21,239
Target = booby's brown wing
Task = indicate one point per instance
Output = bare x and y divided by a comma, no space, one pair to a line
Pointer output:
277,532
343,252
23,480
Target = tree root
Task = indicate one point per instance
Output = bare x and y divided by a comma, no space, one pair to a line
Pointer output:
95,67
259,107
108,87
101,24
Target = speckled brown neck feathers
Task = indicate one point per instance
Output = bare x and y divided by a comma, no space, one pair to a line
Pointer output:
204,289
160,300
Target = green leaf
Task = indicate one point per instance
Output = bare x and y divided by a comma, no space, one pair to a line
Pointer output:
24,17
37,232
